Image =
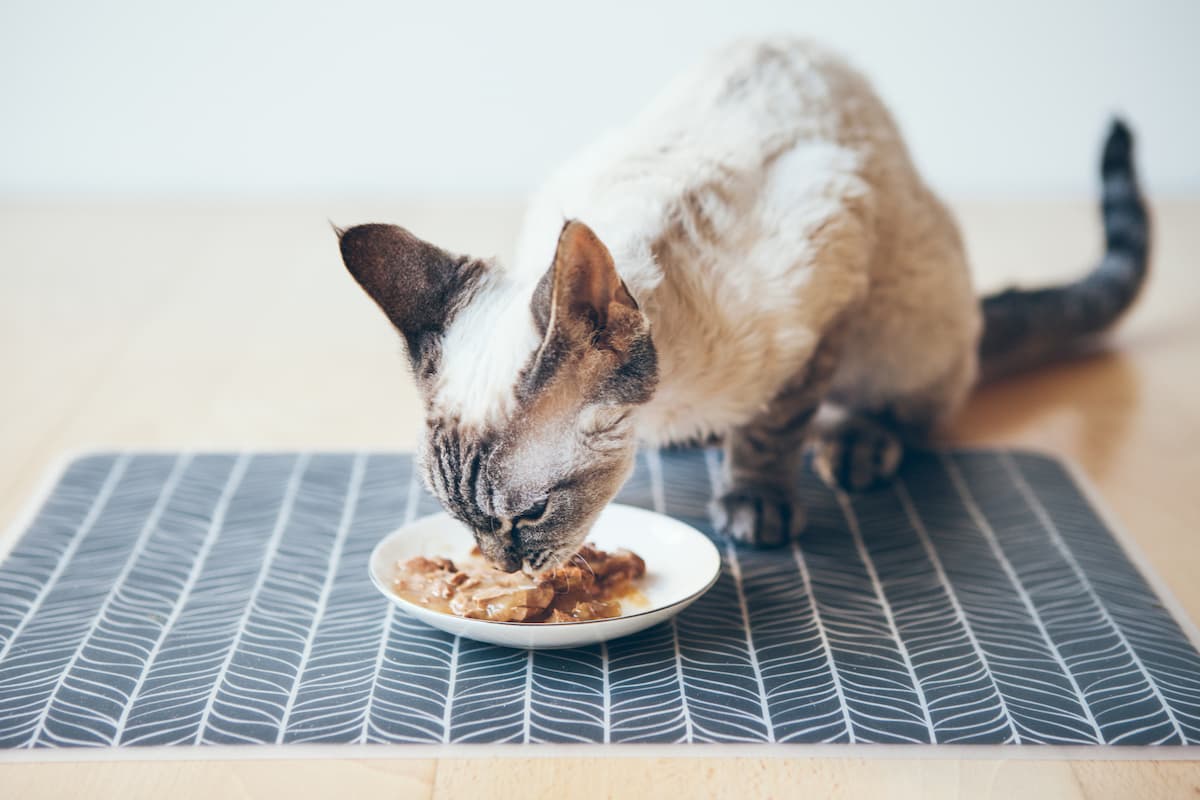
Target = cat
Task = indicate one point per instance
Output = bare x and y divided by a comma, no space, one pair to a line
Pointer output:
754,248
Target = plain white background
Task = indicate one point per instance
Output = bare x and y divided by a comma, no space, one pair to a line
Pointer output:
399,99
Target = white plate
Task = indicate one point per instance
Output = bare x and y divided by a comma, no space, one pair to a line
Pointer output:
681,565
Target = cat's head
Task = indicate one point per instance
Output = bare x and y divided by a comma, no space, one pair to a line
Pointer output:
529,384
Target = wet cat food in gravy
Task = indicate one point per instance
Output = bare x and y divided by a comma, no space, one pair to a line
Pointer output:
590,587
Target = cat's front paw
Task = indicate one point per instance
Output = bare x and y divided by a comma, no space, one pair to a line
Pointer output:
758,515
857,455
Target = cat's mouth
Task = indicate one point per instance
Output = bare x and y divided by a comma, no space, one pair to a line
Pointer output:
549,559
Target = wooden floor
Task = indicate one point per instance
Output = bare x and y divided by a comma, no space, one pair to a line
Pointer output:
235,325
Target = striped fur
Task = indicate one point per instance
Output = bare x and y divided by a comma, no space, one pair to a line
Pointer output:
1026,327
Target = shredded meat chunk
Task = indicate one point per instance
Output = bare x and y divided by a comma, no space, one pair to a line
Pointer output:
585,589
619,566
519,603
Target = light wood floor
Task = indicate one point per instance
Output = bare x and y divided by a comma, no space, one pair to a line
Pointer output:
227,325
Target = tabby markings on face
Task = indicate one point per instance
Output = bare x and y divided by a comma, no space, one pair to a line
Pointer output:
530,392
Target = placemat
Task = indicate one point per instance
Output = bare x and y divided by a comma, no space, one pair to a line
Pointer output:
223,598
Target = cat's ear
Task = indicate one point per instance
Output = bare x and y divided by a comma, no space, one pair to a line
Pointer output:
414,282
589,320
581,298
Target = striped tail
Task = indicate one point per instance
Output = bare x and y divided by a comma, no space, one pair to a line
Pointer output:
1024,328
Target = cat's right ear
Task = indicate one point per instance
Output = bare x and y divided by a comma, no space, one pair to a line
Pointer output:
415,283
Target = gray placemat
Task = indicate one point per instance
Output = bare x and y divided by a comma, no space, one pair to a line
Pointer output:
174,599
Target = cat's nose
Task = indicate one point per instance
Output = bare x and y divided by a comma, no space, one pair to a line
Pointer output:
510,562
500,549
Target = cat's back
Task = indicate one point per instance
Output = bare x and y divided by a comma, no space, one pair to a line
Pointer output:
748,207
714,132
755,98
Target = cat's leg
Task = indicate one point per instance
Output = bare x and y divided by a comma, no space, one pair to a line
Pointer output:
755,501
856,450
817,258
857,446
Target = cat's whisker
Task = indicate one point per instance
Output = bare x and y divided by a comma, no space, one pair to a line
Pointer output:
586,565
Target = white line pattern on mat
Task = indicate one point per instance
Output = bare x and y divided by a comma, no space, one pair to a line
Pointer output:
654,467
607,695
990,536
410,513
285,514
1056,537
223,598
528,703
164,497
97,507
886,608
839,689
348,509
214,530
450,690
735,568
923,534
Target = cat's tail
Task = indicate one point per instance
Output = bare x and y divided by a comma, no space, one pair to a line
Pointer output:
1027,327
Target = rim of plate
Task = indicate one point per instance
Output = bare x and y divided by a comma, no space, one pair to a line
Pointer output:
404,601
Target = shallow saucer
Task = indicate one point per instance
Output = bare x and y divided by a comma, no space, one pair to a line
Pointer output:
681,564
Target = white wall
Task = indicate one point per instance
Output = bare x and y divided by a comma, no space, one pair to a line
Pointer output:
343,97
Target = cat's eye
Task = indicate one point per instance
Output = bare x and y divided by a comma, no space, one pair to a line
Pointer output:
531,515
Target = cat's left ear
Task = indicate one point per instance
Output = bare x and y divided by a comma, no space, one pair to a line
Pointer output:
415,283
581,298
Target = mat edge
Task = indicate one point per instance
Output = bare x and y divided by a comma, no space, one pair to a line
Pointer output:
28,511
1133,551
417,751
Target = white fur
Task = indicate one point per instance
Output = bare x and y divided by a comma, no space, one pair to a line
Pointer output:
484,347
761,198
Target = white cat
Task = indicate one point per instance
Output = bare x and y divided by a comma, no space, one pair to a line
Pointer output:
756,246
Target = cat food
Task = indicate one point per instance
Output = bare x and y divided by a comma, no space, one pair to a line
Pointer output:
590,587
